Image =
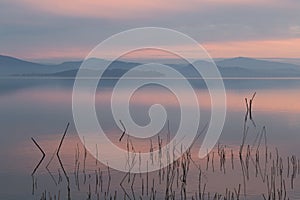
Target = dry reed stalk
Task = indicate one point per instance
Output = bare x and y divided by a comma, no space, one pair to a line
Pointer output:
61,164
41,160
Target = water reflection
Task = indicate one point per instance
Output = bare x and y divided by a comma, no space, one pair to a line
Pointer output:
42,111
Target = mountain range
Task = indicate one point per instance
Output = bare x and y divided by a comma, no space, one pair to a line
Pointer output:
233,67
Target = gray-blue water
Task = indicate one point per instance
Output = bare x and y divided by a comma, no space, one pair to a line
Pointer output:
41,108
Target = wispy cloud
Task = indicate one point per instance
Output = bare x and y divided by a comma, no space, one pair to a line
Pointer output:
70,28
116,9
288,48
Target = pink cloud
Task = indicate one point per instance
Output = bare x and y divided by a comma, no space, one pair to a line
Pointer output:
132,8
288,48
280,48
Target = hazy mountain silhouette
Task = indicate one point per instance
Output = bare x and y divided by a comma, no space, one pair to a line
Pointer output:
10,65
247,67
233,67
250,63
14,66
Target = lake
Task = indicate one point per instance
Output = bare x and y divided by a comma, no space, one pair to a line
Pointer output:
40,108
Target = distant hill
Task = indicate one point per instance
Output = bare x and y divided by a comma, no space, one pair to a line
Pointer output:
250,63
10,65
242,66
14,66
17,67
233,67
112,73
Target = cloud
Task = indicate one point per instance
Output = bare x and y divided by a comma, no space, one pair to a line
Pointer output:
295,30
115,9
67,29
288,48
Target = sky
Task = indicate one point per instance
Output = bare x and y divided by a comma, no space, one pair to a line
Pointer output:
52,30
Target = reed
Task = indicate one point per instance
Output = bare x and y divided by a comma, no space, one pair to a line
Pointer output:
174,181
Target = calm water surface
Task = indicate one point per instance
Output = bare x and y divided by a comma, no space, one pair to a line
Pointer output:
42,108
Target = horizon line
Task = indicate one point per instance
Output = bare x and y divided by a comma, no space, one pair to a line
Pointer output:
62,60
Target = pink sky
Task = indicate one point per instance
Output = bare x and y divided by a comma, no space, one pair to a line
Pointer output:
285,48
70,29
135,8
